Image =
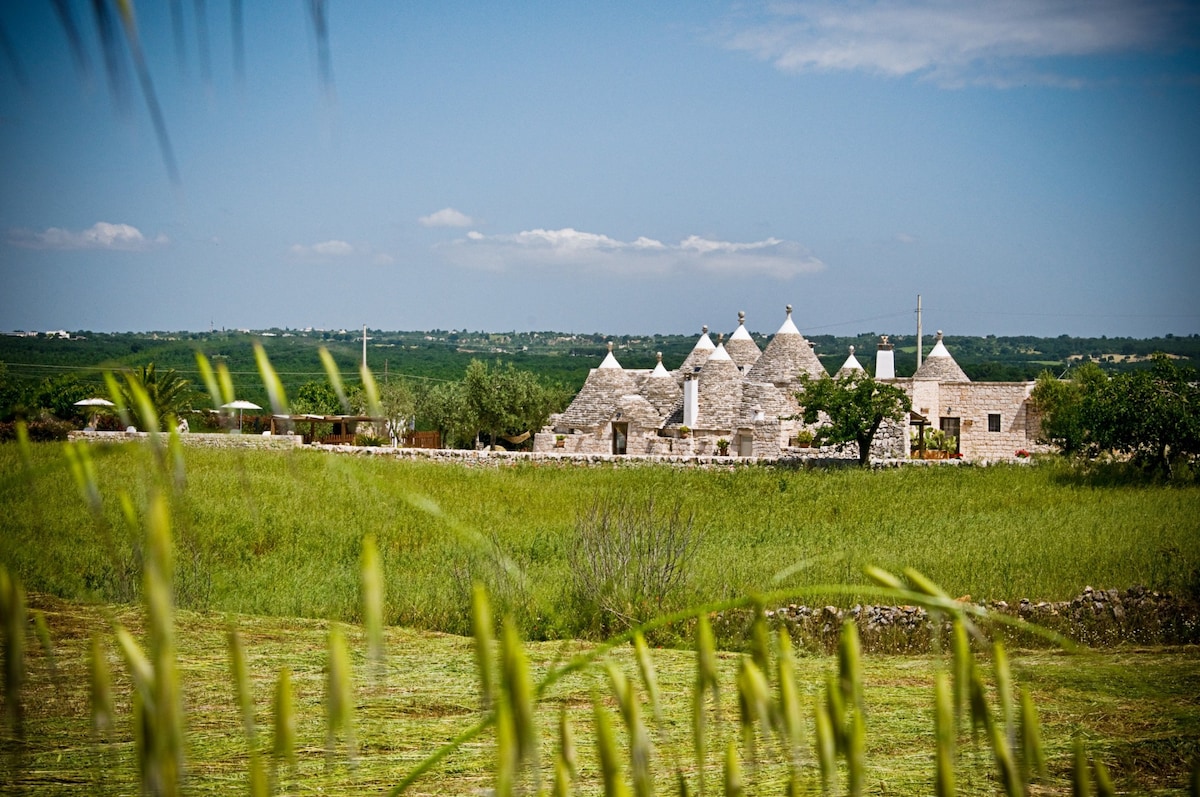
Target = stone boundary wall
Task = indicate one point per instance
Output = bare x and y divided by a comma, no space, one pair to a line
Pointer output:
1095,618
279,442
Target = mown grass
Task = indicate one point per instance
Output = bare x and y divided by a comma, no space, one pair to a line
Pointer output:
1139,710
280,534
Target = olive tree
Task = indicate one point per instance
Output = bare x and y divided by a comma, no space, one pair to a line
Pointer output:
851,408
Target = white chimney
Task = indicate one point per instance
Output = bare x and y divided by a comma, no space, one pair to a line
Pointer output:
885,360
691,401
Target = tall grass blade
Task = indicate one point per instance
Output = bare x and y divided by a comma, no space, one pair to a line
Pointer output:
335,377
606,751
372,597
1033,755
13,614
271,380
962,663
43,635
826,747
371,390
760,640
209,378
339,695
118,399
240,676
1104,783
790,715
567,752
1081,784
518,692
508,755
639,738
945,730
283,747
225,381
646,670
481,625
706,681
733,772
754,699
101,688
83,471
165,713
1004,692
1006,765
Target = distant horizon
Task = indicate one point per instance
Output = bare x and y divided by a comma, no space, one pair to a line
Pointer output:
713,332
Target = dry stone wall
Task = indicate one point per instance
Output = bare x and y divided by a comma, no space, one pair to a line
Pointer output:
278,442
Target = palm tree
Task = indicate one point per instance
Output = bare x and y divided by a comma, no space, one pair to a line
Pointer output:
169,393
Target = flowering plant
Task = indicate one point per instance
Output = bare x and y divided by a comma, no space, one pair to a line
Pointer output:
1022,454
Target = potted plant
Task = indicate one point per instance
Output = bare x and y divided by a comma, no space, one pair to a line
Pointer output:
560,440
685,432
804,438
722,446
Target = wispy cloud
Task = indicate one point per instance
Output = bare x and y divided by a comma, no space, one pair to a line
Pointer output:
323,249
446,217
101,235
957,42
572,250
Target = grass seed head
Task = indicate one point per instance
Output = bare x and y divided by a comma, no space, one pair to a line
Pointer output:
284,711
371,571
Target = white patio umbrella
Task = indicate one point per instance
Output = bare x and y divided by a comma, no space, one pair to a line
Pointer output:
94,402
239,405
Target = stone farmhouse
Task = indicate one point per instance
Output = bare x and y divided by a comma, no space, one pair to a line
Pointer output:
734,392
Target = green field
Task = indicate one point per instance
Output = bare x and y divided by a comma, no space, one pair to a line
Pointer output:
1137,709
272,541
280,534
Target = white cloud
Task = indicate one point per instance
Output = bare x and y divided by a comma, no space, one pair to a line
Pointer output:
324,249
957,42
573,250
446,217
101,235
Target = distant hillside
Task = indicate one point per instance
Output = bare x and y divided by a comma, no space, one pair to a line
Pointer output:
556,357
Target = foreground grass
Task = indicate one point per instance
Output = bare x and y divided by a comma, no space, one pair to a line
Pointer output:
279,534
1139,710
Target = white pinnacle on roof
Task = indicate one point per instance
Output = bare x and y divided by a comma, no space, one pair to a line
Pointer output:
788,327
852,365
741,346
659,371
720,354
609,360
939,366
699,353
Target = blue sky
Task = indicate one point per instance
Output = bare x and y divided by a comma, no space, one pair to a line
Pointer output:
1028,167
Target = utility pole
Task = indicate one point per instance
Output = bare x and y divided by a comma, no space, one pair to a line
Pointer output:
918,333
364,365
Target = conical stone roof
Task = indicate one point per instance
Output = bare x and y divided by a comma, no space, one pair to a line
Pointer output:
786,357
598,397
741,346
939,366
661,390
719,393
699,353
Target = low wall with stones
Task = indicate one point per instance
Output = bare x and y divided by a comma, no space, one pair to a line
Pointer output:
1095,618
278,442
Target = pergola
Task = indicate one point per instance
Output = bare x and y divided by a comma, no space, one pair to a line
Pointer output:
341,425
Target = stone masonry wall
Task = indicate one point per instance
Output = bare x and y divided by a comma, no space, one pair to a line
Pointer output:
972,402
200,439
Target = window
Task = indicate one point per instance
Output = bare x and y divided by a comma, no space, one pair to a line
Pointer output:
993,422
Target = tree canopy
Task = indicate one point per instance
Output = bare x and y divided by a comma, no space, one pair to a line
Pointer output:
850,408
1151,416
